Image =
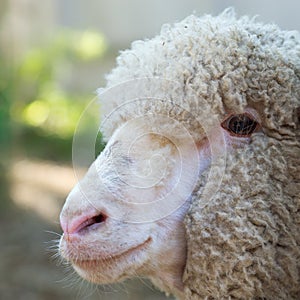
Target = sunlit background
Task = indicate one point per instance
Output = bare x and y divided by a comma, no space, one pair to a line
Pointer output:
53,56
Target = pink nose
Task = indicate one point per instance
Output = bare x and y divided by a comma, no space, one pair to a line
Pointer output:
78,224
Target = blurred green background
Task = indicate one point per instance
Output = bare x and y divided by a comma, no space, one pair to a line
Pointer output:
53,56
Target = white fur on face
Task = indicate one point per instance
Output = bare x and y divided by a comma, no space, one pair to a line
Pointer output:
125,175
135,169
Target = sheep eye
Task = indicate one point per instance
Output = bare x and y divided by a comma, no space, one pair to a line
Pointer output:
240,125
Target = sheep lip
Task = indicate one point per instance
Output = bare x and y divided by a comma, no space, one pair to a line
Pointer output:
89,263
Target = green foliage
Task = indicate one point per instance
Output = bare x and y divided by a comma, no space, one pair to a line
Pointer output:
40,105
5,96
99,145
6,90
44,103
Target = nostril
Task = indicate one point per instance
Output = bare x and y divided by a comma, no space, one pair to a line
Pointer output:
82,223
97,219
88,223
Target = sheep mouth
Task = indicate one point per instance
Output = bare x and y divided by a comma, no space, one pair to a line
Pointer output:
86,264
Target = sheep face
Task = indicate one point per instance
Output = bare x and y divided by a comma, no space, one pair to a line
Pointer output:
113,227
133,199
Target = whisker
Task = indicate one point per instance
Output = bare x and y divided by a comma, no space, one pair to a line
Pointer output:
53,232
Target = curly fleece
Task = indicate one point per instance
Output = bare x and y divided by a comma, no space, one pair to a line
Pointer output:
245,243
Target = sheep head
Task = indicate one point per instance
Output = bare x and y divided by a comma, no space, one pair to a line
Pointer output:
114,225
189,190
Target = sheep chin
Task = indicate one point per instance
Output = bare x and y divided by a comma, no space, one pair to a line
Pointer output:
111,269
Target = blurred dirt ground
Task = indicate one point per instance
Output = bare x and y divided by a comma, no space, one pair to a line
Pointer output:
30,203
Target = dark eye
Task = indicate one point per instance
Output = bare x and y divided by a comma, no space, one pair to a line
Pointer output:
240,125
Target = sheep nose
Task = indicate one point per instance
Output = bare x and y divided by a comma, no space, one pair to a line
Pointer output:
79,224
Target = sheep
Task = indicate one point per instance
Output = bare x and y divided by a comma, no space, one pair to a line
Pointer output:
198,185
